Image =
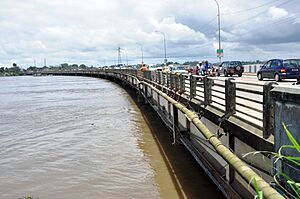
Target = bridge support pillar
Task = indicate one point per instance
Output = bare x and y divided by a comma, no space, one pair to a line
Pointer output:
175,125
207,90
268,110
193,84
230,96
168,81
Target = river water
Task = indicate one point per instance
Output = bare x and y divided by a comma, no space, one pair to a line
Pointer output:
77,137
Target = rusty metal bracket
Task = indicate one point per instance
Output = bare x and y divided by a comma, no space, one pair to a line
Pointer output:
230,103
193,84
207,90
230,97
268,110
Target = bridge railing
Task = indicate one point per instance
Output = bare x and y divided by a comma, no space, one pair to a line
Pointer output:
246,101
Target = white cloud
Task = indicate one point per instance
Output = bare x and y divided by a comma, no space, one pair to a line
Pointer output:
79,31
297,20
179,32
277,13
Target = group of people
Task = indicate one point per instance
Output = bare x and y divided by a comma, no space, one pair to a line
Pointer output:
202,68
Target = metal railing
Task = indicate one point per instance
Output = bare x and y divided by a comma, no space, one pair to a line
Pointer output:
244,100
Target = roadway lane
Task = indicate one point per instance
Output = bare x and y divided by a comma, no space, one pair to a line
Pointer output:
253,78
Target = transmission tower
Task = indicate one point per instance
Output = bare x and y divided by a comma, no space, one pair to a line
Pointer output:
119,56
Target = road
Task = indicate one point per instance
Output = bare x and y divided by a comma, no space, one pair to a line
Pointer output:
253,78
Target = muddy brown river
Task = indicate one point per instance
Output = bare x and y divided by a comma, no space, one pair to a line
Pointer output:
79,137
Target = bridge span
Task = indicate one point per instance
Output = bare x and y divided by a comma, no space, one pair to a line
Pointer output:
216,119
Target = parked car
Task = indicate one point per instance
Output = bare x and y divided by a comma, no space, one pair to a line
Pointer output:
179,69
152,67
159,67
279,69
231,68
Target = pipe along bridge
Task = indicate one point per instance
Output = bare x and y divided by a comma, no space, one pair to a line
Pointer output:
217,120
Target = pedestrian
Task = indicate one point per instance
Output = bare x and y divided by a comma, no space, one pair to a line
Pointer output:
198,68
206,65
203,68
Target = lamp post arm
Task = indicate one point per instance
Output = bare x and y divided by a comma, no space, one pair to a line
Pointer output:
165,45
219,24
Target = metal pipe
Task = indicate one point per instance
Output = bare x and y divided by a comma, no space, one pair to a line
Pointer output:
242,168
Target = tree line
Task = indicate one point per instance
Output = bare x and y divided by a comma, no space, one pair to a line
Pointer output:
15,70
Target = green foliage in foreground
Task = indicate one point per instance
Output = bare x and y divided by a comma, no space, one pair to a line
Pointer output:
289,187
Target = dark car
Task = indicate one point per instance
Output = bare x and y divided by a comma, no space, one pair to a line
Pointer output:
279,69
231,68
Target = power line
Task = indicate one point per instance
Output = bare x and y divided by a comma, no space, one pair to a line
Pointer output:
209,22
254,16
248,9
278,22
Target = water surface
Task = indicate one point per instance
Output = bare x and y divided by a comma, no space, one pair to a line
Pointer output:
79,137
71,137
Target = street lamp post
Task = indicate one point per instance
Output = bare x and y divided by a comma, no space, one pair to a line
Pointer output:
165,47
125,55
219,24
142,53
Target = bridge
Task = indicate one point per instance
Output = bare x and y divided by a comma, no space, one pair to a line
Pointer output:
217,120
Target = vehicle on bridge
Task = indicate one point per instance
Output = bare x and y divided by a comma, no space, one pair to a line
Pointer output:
152,67
231,68
179,69
279,69
208,70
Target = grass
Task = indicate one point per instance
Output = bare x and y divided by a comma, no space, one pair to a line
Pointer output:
284,183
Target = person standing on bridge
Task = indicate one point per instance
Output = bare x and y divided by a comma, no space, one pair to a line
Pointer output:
198,68
202,69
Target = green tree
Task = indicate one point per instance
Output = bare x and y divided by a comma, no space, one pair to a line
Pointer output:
64,65
74,65
169,62
32,68
82,66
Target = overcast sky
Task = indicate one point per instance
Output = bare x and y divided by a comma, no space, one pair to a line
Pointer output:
90,31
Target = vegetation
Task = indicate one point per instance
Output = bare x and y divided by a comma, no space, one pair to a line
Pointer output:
283,183
14,71
17,71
